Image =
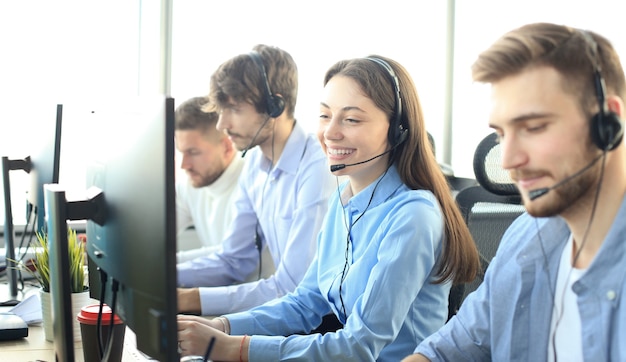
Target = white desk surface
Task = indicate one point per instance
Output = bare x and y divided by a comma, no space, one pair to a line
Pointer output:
35,348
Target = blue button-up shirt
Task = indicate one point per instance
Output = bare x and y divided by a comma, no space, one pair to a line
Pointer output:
390,301
290,202
508,317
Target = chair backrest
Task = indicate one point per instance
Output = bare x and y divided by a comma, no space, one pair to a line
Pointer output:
488,209
457,184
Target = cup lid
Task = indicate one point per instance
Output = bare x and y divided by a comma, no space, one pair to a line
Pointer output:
89,315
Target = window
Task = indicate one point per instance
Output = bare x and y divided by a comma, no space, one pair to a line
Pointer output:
72,51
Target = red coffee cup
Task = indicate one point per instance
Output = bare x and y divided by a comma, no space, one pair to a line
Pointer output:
88,318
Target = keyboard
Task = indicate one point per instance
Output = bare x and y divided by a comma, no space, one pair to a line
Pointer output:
12,327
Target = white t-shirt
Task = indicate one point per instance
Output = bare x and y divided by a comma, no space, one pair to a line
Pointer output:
209,210
565,329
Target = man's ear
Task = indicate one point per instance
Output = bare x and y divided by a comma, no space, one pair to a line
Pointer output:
616,105
229,148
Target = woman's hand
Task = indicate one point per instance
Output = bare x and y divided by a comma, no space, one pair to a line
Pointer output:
195,333
203,320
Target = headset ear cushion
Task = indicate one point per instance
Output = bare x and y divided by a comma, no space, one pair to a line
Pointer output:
397,135
401,135
275,106
607,131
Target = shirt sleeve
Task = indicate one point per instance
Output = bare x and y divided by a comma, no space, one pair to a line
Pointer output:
186,255
455,341
237,256
290,218
468,336
296,237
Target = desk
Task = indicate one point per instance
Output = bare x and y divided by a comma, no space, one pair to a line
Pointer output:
36,348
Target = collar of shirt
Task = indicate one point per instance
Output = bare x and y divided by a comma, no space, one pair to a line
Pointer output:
359,202
553,233
292,154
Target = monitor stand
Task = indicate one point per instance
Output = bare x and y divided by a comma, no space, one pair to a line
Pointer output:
8,235
8,296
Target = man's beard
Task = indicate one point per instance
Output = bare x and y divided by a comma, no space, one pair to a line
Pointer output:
575,193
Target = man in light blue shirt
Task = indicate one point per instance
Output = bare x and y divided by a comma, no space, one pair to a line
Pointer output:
554,291
283,189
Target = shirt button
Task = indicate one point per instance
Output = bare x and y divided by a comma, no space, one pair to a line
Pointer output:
610,295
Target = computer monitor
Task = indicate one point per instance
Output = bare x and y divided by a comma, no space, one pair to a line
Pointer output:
131,175
44,169
42,165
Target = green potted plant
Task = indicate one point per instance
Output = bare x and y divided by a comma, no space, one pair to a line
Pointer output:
41,271
76,252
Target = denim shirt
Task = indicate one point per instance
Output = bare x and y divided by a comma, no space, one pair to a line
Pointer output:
508,317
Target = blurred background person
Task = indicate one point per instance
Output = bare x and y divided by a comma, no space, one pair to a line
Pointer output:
205,193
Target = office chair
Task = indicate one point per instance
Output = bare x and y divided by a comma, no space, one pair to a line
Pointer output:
457,184
488,209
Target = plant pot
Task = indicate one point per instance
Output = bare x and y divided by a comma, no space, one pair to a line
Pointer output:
79,300
46,314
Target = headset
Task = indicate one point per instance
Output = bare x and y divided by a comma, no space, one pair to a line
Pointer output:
274,104
397,132
607,130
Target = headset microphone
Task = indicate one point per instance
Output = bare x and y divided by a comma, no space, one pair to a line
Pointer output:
402,137
534,194
397,133
341,166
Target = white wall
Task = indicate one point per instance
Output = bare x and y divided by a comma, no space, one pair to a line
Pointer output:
66,52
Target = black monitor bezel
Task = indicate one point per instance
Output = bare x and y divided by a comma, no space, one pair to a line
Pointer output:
154,325
162,345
